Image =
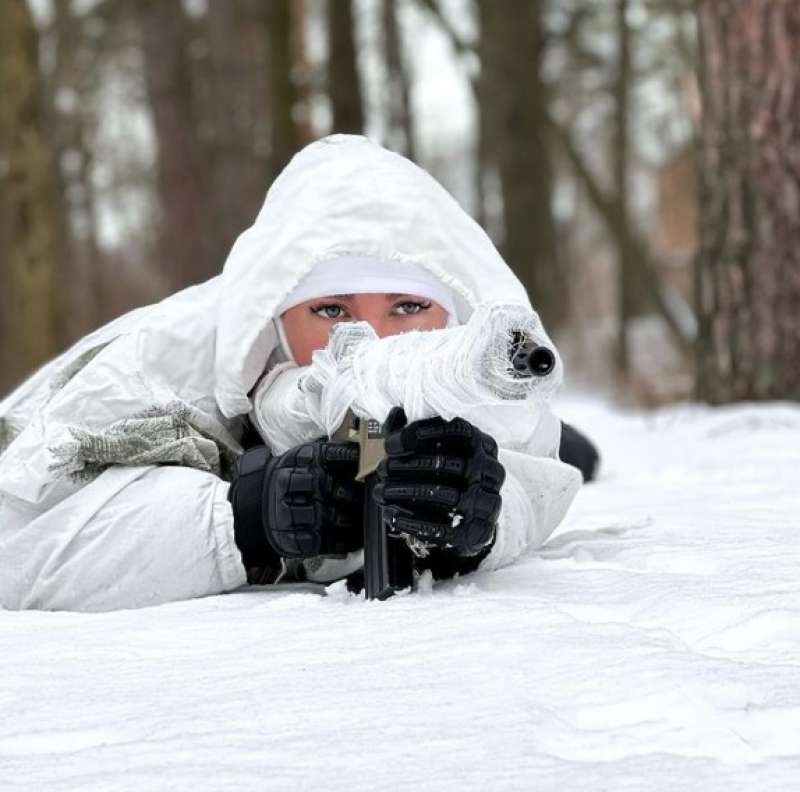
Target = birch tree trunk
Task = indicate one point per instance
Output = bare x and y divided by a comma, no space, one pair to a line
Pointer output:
748,266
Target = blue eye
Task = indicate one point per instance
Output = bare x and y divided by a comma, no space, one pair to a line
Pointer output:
329,311
411,307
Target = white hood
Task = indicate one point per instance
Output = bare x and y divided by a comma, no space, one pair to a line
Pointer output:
187,365
344,195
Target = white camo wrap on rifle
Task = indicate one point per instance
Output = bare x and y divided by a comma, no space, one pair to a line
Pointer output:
456,372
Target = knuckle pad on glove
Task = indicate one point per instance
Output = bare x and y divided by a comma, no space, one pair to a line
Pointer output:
489,445
477,535
437,465
303,517
482,504
312,504
493,476
296,543
421,529
423,494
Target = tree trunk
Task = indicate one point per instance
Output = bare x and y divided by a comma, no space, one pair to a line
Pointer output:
31,320
400,129
71,131
513,107
185,247
236,113
748,266
286,137
632,299
344,84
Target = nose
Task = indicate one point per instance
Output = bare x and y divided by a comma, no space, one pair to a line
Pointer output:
381,323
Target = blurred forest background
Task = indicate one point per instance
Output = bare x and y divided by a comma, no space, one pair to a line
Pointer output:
636,161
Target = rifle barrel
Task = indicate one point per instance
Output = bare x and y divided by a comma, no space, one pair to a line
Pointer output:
529,359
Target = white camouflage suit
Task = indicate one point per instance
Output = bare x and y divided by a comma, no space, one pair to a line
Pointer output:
116,457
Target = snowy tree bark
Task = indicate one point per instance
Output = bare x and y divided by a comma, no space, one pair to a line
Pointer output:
748,265
30,221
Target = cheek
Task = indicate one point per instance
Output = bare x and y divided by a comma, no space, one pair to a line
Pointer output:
305,334
435,318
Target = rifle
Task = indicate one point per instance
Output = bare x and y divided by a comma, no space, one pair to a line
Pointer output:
501,357
388,558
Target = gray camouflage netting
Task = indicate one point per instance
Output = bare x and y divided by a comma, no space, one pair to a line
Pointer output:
7,434
164,434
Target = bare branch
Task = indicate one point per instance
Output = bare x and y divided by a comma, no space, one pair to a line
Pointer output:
607,209
459,45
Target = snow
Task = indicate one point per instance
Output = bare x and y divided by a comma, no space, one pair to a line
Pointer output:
654,643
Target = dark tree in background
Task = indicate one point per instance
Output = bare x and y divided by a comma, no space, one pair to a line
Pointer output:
283,96
748,266
344,84
513,110
236,134
620,163
226,108
400,132
183,244
31,313
70,130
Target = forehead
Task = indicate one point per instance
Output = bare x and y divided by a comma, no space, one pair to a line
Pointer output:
365,296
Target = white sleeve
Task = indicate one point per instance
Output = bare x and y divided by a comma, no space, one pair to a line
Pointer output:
536,495
134,536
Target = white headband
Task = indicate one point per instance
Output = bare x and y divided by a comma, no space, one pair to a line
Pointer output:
366,275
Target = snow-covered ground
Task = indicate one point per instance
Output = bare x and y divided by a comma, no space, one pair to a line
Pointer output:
654,643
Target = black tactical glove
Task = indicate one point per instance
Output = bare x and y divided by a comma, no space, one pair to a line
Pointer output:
299,504
440,483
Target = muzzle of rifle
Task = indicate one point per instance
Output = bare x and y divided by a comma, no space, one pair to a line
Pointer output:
529,359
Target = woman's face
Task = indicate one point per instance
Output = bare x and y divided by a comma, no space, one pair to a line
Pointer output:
308,324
